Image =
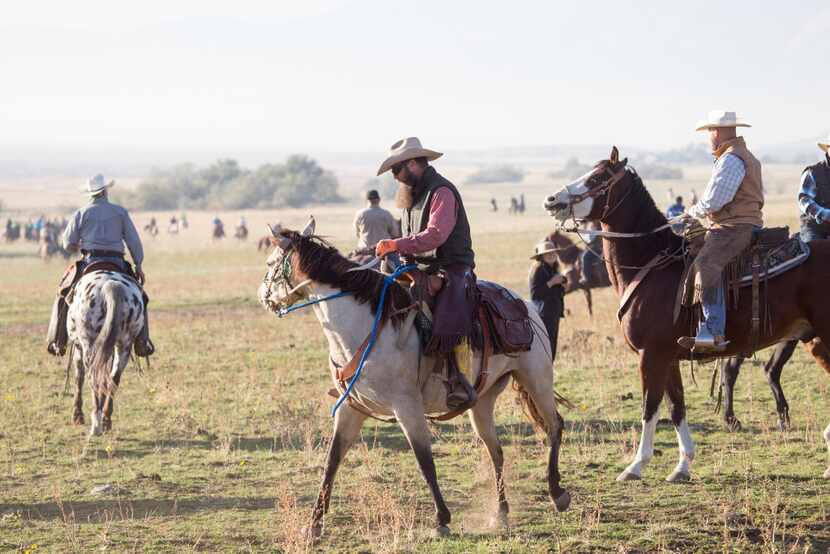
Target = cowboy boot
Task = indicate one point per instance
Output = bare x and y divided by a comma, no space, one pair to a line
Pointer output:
57,336
461,395
143,346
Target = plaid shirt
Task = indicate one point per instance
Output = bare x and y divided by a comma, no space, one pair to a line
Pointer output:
727,176
807,202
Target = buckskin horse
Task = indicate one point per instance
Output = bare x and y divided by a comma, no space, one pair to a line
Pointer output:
635,239
397,380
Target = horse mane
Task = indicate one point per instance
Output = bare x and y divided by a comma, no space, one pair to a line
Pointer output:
568,252
323,263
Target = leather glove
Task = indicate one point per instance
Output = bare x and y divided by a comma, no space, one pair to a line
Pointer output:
384,247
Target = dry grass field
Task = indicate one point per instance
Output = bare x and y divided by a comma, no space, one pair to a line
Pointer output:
219,445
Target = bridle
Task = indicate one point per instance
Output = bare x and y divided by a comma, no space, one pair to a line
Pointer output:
280,273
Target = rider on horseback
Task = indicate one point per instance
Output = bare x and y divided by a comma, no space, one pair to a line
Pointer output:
99,230
814,198
436,236
732,204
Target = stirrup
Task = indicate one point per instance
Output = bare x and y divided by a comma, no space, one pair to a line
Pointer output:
704,342
144,350
56,350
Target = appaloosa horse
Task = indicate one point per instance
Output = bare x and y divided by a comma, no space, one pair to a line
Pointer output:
397,379
105,316
615,196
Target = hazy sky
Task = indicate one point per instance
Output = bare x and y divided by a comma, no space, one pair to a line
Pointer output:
356,75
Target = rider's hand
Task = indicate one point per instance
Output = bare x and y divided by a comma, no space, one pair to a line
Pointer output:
140,276
556,280
384,247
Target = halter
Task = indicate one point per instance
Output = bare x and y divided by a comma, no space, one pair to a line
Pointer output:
281,273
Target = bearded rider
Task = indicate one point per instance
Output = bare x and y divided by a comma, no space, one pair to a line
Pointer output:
99,230
732,204
436,236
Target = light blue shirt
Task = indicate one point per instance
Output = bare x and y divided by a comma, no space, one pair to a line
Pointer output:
101,225
727,176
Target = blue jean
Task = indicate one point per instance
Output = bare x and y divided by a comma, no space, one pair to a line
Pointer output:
714,312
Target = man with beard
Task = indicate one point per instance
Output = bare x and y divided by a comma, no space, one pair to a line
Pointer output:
436,236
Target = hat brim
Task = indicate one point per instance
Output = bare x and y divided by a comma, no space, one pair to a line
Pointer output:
706,125
87,190
387,164
542,253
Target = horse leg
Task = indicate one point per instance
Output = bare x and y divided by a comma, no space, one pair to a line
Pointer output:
97,415
782,354
677,409
731,369
347,424
818,348
120,362
653,372
481,416
414,424
541,395
589,300
78,362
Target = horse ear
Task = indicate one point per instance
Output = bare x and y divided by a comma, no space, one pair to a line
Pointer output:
624,161
275,230
614,158
309,227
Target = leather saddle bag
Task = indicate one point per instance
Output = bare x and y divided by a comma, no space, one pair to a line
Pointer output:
507,317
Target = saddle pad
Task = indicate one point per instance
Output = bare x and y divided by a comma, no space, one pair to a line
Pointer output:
774,261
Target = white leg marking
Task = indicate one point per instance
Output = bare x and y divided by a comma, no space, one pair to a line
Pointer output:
97,427
644,452
827,440
687,451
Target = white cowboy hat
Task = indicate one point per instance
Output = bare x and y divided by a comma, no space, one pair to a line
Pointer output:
407,149
96,184
543,248
720,118
825,145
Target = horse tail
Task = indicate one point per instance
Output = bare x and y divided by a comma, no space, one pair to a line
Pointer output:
103,350
532,412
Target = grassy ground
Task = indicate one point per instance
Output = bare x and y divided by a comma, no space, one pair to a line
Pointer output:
219,446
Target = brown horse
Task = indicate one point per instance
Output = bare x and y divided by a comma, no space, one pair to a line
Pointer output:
615,196
570,260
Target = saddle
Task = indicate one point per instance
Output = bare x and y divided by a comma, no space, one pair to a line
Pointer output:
78,269
772,252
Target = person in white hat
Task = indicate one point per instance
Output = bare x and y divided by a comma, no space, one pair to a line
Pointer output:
547,290
814,198
99,230
732,205
436,236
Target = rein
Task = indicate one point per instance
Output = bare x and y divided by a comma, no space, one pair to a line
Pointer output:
285,311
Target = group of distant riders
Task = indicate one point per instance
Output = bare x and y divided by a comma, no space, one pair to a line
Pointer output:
434,233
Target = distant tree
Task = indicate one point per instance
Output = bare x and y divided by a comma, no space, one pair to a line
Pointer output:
496,174
571,170
659,172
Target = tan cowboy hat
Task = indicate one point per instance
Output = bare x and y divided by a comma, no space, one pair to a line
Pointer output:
721,118
543,248
407,149
825,145
96,184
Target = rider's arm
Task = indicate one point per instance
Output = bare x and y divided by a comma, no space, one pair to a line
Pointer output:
72,233
807,202
726,178
133,242
442,217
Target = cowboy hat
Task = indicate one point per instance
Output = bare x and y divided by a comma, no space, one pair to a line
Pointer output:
825,145
96,184
543,248
407,149
720,118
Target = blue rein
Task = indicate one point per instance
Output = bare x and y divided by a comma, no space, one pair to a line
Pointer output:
387,280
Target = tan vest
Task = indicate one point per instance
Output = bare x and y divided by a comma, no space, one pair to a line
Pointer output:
745,207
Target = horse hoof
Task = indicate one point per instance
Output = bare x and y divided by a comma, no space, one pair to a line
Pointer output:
440,532
78,419
733,425
627,476
107,425
499,521
563,502
678,476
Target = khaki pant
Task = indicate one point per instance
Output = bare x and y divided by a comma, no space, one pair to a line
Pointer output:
722,245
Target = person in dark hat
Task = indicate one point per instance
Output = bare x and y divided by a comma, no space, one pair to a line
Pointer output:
373,224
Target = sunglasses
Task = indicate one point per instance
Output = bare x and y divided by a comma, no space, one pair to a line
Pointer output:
397,168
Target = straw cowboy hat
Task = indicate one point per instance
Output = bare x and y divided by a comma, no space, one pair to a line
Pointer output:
825,145
407,149
543,248
96,184
720,118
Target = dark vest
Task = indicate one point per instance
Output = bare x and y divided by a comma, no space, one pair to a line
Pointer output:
821,175
458,248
